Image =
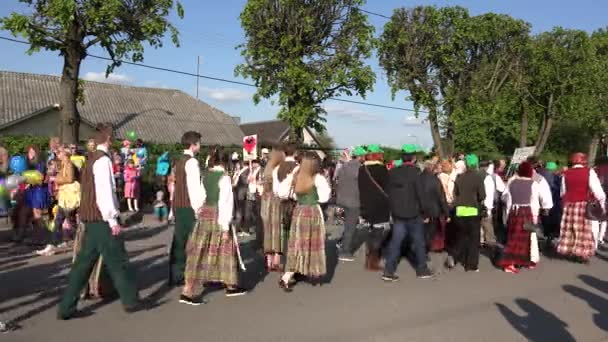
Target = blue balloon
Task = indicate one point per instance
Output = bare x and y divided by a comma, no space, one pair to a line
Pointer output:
17,164
162,168
141,153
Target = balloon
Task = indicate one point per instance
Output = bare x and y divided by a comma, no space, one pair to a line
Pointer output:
131,135
140,153
3,192
164,157
33,177
78,161
17,164
13,181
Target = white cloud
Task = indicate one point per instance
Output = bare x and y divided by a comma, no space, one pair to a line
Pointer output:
112,78
351,112
412,121
226,94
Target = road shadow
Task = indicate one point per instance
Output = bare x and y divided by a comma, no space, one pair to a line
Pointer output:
144,233
596,302
536,324
255,272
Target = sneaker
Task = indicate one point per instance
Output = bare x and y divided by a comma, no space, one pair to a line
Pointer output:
450,263
235,292
44,251
50,252
476,270
346,257
390,278
424,274
190,301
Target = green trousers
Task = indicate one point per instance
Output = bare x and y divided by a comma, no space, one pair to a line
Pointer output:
184,223
98,240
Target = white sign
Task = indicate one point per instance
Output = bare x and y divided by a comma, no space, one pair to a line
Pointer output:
521,154
250,147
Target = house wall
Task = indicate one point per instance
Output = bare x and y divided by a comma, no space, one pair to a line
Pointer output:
310,141
45,124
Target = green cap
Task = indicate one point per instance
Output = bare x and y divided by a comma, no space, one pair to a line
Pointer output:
359,151
374,148
409,148
471,160
551,166
397,162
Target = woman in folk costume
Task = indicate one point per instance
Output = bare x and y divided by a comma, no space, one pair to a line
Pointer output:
373,180
281,187
211,250
522,198
274,236
580,185
602,173
306,251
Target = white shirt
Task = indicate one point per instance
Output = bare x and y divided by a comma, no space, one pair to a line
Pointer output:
546,199
105,188
594,185
283,189
252,183
323,188
492,188
225,203
196,190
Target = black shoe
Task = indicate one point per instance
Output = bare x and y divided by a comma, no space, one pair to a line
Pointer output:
390,278
75,314
138,306
424,274
191,301
235,292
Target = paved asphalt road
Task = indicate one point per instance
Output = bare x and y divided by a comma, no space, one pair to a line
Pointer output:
559,301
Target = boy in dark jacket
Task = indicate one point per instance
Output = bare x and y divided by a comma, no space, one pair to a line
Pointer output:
372,180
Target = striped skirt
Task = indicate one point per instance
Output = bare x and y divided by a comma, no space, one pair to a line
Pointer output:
100,284
518,250
306,247
274,235
210,253
576,235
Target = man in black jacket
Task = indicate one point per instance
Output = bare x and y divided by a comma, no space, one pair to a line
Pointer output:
436,203
407,204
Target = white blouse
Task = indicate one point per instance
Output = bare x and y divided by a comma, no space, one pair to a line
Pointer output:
225,203
535,197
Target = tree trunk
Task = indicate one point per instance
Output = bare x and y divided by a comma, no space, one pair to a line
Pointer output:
436,134
544,136
523,134
70,117
296,135
593,148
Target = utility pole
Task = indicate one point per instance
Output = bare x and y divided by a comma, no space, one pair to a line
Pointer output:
198,73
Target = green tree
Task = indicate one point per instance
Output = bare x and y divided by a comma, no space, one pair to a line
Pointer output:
561,71
72,27
305,52
598,122
437,55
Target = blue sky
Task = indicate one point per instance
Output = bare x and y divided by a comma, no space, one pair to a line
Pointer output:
211,30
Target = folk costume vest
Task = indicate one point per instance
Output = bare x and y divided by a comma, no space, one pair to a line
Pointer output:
89,212
181,197
577,185
212,187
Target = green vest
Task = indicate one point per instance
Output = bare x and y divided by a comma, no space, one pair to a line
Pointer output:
311,198
212,187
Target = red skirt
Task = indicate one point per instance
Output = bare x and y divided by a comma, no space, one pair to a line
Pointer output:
576,235
438,241
517,250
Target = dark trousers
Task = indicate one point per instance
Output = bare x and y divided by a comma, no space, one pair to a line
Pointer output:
184,223
402,229
466,246
98,240
351,218
253,219
59,233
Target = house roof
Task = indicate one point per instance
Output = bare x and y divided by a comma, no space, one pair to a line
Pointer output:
269,132
156,115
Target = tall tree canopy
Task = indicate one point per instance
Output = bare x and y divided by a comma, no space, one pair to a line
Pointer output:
437,55
72,27
304,52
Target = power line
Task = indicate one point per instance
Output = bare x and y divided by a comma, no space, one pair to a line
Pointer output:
373,13
218,78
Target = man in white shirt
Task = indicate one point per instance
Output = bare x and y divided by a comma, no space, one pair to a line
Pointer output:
189,196
494,186
99,213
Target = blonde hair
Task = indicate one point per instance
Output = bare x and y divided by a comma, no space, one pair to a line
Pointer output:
276,158
305,178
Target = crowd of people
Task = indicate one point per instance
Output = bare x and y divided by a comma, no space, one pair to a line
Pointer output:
407,207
